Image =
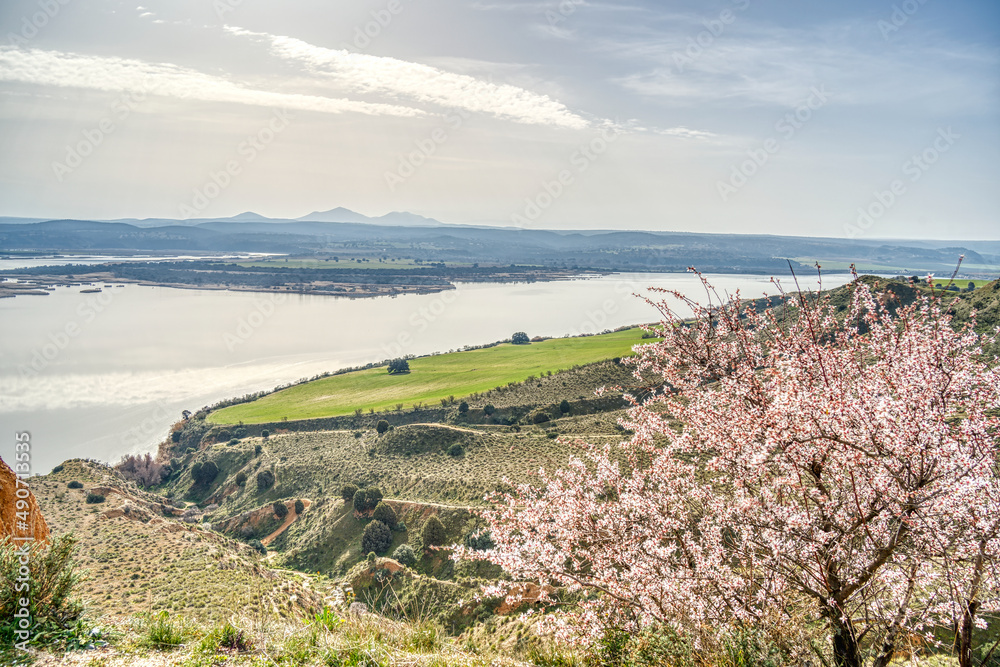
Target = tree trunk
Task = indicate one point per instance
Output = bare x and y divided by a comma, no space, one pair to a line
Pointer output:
963,642
845,645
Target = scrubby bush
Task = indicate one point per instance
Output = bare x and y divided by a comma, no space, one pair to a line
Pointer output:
489,409
348,491
241,478
94,498
368,499
74,485
382,426
50,580
258,546
455,450
57,469
280,509
143,470
257,449
405,555
223,435
374,497
463,407
264,434
479,540
265,479
385,514
539,418
564,407
207,473
433,533
376,538
300,506
360,500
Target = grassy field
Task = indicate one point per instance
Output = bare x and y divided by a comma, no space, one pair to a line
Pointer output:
429,380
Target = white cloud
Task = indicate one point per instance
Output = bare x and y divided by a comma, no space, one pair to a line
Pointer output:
362,73
54,68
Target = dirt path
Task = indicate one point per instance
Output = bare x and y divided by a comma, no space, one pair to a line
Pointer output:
289,519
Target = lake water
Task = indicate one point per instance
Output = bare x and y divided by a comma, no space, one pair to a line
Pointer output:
102,375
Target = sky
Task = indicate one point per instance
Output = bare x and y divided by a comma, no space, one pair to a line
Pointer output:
848,119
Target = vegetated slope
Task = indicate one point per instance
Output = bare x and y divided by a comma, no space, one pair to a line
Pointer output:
430,379
138,558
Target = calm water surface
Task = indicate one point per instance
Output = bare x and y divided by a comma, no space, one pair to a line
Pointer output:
101,375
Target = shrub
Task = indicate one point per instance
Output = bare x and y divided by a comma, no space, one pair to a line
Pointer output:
405,555
360,500
223,435
385,514
382,426
433,533
234,441
463,407
143,470
479,540
257,449
265,479
57,469
455,450
74,485
51,579
540,418
489,409
376,538
564,407
206,473
300,506
374,496
264,434
241,478
94,498
520,338
280,509
399,366
161,632
347,493
258,546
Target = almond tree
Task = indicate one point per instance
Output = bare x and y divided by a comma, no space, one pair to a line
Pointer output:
793,463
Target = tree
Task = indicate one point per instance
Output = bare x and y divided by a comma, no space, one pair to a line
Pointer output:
405,555
348,491
205,473
144,470
564,407
836,469
489,409
374,497
280,509
385,514
300,506
360,500
382,426
971,287
433,533
520,338
265,479
399,366
376,537
463,408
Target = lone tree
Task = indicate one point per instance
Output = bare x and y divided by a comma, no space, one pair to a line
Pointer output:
399,366
382,426
564,407
205,473
385,514
520,338
376,538
433,533
463,408
832,467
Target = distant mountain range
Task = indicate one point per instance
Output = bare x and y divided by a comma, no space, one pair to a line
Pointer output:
350,234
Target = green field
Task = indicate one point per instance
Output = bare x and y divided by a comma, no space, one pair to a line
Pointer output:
429,380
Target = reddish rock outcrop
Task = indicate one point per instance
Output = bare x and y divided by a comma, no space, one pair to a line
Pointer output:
31,524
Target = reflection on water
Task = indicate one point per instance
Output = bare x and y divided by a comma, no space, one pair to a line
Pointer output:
98,375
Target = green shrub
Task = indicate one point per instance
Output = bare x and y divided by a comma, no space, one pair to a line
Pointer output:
479,540
163,633
241,478
377,537
463,407
564,407
360,500
204,474
300,506
347,493
382,426
540,418
227,637
265,479
57,469
74,485
433,533
280,509
405,555
385,514
94,498
258,546
257,449
222,435
234,441
456,450
51,578
264,434
488,409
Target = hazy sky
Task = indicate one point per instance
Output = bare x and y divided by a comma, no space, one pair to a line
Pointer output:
785,117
